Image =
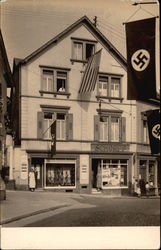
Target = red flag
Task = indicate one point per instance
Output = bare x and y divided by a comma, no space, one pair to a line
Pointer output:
90,75
53,138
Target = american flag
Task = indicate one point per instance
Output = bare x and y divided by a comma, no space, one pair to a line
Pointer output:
90,75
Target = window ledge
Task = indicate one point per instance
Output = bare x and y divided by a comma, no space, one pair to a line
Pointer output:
110,98
54,93
79,61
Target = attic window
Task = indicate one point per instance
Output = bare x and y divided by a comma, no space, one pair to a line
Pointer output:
82,49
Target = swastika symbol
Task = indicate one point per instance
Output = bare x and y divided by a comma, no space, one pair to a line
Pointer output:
156,131
140,59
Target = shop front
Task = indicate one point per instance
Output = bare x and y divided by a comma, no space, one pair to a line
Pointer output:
148,171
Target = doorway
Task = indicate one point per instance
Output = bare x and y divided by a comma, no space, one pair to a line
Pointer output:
38,168
95,163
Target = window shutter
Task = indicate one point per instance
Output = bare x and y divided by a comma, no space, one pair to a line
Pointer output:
123,129
40,119
69,126
96,127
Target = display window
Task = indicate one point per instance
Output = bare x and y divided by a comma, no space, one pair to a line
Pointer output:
114,173
151,173
60,175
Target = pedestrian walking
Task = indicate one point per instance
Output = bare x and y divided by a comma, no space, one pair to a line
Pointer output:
147,189
32,182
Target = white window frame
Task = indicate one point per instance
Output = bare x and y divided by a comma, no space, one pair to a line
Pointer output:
112,91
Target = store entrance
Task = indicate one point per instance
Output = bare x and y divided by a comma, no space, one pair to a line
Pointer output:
94,172
38,168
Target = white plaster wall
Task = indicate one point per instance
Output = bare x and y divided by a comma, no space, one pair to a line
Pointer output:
83,112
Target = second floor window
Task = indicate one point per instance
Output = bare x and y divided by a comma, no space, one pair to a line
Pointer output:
109,86
104,127
48,80
54,80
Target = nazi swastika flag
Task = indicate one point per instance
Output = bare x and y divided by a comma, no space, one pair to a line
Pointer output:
141,75
153,120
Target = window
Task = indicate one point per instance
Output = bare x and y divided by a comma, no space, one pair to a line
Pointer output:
61,81
103,86
115,87
60,125
60,175
104,128
82,49
151,173
114,173
109,128
78,51
109,86
114,129
48,80
48,119
54,80
145,132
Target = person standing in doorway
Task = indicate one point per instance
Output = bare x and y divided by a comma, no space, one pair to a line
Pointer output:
147,189
32,182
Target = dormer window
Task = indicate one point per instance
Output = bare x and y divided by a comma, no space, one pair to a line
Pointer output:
82,49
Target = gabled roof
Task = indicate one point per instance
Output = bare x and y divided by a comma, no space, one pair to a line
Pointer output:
7,74
85,21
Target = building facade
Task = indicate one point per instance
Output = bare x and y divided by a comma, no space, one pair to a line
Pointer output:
5,105
101,138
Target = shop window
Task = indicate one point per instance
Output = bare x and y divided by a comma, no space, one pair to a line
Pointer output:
151,173
47,80
114,173
60,175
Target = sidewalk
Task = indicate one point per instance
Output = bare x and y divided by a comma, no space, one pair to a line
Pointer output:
22,204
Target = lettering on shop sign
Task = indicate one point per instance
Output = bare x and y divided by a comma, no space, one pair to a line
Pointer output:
109,148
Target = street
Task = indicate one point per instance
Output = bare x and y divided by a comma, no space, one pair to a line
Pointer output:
48,209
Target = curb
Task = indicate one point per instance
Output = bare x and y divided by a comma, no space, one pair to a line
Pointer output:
31,214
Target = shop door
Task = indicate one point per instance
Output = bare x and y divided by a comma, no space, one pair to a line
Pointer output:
38,175
94,173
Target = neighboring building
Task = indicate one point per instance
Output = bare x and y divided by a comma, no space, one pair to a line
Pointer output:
5,107
110,140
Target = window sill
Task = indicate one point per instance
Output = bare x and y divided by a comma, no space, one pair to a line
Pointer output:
54,93
109,98
121,187
79,61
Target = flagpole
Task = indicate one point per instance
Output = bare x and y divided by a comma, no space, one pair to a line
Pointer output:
48,127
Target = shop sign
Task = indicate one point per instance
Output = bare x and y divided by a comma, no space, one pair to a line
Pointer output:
84,169
109,147
24,167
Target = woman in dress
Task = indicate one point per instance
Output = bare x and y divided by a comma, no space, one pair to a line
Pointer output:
32,182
